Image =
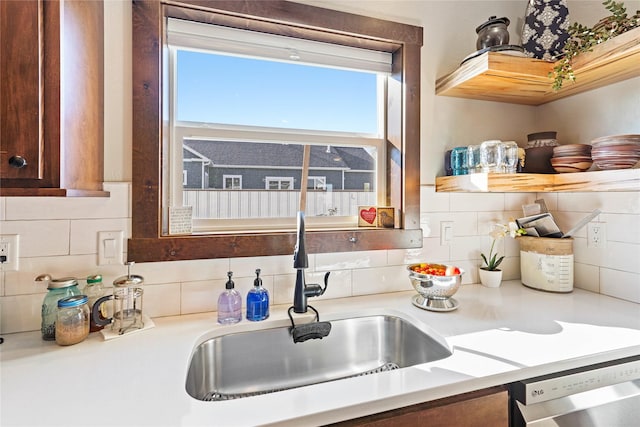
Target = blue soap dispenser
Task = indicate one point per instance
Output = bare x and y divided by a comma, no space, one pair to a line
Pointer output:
257,300
229,303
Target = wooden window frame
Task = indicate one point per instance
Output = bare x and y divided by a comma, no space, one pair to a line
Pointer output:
402,127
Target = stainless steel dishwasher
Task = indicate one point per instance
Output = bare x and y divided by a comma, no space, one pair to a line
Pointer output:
602,395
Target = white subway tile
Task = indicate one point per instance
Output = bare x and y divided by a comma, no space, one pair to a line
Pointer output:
622,202
13,284
469,247
464,223
430,201
269,265
182,271
2,209
39,238
283,287
431,251
20,313
477,202
586,277
622,227
620,284
514,201
22,281
378,280
550,199
201,296
350,260
339,286
84,233
161,300
28,208
622,256
510,268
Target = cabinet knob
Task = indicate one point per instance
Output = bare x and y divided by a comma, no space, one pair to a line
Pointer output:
17,162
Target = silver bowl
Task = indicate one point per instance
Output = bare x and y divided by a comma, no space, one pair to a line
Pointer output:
435,292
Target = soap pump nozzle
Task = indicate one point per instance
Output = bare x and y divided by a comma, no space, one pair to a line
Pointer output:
257,282
229,284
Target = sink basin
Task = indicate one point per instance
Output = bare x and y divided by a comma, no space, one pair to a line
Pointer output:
263,361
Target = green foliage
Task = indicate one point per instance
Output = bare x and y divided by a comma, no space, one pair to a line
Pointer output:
583,39
493,262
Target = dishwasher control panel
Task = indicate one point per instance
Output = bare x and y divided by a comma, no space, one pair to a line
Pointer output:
554,386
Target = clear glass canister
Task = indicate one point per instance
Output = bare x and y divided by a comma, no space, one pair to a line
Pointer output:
492,156
510,156
94,290
58,289
72,324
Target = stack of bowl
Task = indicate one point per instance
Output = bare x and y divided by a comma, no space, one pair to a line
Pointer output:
616,152
571,158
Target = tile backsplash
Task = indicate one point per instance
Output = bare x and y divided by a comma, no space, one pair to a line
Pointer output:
59,236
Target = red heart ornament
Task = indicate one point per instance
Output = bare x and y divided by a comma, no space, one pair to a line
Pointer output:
368,215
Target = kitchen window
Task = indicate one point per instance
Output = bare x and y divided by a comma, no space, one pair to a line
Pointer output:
394,144
248,102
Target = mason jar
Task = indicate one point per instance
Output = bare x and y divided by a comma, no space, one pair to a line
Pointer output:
492,156
72,322
58,289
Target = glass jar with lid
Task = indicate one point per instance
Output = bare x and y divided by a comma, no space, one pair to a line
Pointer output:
58,289
94,290
72,322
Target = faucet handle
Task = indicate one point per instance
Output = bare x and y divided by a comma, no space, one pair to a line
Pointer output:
315,290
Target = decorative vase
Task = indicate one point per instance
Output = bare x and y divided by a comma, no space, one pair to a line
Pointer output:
490,278
545,30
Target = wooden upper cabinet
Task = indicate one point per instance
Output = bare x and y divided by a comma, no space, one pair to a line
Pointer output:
51,98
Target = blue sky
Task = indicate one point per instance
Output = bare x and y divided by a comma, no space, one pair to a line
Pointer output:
238,90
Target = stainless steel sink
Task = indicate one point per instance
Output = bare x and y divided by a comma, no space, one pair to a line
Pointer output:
263,361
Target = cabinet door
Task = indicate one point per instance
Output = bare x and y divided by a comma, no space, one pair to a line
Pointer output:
482,408
21,97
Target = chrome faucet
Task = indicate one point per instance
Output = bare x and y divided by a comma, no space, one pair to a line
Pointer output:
300,263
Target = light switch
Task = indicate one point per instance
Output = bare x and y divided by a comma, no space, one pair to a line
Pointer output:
446,233
110,247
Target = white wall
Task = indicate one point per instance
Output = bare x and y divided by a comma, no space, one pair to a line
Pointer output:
59,235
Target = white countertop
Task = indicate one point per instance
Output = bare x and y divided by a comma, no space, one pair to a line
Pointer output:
498,335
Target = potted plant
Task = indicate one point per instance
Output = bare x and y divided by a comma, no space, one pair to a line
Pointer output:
583,39
490,274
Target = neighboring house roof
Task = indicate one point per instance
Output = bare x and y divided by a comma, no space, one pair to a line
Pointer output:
223,153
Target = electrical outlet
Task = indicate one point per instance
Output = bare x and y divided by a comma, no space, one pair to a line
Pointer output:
446,233
596,235
9,252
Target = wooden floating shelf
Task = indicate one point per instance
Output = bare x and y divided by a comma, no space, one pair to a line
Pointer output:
611,180
495,76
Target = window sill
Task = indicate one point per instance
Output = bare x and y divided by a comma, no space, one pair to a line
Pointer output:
179,248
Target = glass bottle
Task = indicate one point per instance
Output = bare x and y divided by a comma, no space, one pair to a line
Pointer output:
229,303
58,289
459,161
257,300
72,322
492,156
94,290
510,156
473,159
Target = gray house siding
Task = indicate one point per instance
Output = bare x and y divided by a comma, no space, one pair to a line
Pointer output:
345,168
254,179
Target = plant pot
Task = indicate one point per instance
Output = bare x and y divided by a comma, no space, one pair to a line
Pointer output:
490,278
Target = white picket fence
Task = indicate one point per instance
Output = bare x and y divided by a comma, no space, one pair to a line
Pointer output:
224,204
